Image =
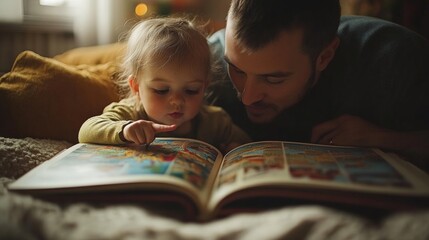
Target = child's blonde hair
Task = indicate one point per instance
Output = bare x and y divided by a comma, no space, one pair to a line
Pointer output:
159,41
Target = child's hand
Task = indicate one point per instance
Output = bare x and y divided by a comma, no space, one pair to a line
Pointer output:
143,132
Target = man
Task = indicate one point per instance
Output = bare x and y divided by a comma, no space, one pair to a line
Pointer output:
300,79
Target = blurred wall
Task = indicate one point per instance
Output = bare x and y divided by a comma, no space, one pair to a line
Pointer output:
100,21
413,14
11,11
46,30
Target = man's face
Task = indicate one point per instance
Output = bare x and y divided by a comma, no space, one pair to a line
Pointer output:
271,79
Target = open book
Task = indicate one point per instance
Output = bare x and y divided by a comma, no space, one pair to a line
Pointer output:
194,180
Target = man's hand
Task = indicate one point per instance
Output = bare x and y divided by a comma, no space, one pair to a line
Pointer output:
354,131
143,132
348,130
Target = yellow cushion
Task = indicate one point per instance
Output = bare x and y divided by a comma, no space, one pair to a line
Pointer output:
44,98
93,55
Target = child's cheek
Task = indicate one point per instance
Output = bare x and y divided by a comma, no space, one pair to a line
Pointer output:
153,104
194,104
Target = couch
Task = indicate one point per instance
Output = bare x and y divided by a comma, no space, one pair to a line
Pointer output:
43,102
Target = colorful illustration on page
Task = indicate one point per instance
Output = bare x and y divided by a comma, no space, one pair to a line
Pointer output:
251,161
175,158
342,165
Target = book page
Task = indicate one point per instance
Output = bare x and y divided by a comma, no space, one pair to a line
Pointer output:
179,162
311,165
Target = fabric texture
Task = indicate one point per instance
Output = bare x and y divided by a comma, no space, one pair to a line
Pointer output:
211,125
18,156
93,55
26,218
44,98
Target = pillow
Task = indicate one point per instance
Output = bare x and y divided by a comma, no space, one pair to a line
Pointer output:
44,98
93,55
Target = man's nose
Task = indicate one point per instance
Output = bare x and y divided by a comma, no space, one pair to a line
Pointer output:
252,92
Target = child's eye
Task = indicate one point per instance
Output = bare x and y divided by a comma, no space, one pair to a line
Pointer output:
161,91
192,91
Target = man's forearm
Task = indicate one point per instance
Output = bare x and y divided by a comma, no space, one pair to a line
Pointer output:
414,146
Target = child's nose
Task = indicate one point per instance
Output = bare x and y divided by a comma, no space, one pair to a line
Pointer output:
177,99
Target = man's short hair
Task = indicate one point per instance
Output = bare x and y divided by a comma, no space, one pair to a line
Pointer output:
258,22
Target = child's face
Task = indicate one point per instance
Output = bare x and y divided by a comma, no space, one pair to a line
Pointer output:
172,94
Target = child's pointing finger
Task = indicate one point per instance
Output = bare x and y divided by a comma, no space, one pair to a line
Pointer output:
163,128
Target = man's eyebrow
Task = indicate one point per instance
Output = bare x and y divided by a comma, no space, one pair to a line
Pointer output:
229,62
271,74
278,74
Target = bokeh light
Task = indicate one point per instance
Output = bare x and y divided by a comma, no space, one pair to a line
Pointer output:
141,9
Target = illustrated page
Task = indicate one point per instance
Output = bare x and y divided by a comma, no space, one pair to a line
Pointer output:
341,165
306,165
181,159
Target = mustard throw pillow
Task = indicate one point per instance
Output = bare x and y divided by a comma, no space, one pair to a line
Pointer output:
44,98
93,55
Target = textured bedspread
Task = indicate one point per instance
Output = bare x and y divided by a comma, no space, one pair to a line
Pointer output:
23,217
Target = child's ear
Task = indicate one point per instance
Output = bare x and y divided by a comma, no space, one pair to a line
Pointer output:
134,85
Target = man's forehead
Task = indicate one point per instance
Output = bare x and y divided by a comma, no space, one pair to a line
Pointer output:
231,36
286,39
285,50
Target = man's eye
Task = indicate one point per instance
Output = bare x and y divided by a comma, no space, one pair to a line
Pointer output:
274,80
161,91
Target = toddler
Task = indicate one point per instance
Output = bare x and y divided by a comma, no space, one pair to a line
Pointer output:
167,69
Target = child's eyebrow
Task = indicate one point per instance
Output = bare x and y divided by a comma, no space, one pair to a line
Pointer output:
158,80
197,81
166,81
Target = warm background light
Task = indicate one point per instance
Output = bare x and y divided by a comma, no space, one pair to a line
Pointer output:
141,9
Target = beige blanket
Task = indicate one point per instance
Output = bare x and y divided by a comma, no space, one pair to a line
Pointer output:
23,217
